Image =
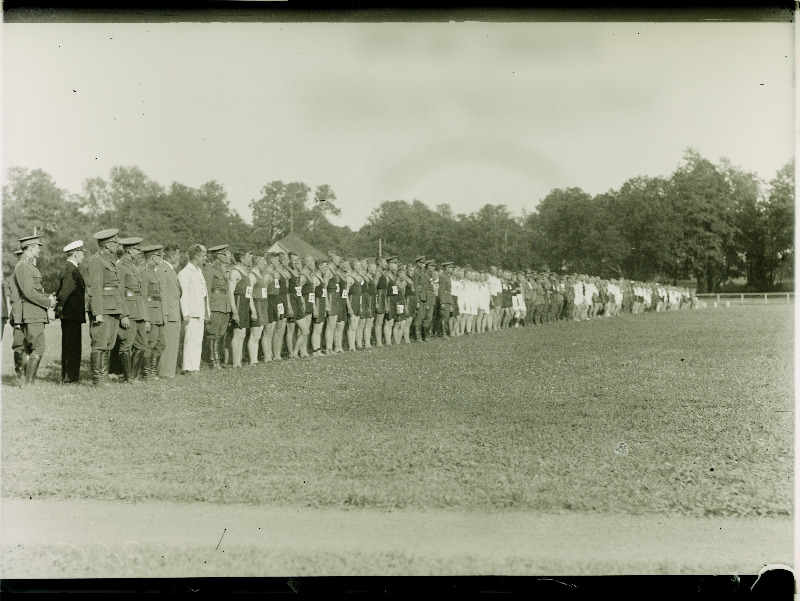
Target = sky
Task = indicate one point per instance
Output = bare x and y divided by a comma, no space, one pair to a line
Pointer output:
464,114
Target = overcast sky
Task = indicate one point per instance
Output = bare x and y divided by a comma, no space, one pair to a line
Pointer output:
460,113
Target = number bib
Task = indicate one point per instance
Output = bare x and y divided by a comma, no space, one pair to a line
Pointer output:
311,297
264,292
248,292
344,293
324,293
280,308
298,291
394,289
400,309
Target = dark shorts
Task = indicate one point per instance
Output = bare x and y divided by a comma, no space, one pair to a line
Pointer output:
367,305
242,311
272,307
332,306
506,299
298,305
391,312
261,312
380,302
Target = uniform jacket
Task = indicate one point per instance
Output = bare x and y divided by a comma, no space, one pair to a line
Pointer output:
170,291
130,285
71,294
6,299
102,286
217,282
445,289
32,302
422,284
151,289
194,296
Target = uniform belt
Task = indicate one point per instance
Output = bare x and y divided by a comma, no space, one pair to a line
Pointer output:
154,298
220,290
110,287
132,293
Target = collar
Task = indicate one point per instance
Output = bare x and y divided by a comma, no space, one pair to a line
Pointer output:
168,263
73,261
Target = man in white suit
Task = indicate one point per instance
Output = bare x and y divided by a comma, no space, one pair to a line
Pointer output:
194,307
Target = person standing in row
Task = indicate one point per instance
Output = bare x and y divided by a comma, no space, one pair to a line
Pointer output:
446,299
194,307
107,312
171,307
218,302
320,309
71,310
33,304
151,290
240,293
133,338
259,303
304,306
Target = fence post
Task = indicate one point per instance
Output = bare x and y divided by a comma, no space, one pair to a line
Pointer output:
718,298
765,299
743,299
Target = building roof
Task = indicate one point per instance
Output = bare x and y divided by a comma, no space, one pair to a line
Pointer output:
294,243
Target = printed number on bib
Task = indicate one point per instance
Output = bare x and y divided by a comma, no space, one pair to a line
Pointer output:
280,308
400,309
344,293
337,288
264,292
298,291
311,297
324,293
248,292
277,283
394,289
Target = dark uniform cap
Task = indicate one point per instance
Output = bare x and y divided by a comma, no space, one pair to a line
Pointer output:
152,248
419,259
18,251
29,241
105,234
216,249
130,242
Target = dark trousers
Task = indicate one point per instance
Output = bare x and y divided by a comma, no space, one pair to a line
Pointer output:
70,350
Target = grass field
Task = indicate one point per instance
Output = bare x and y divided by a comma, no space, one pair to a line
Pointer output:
527,419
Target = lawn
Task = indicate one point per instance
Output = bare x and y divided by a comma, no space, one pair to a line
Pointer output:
526,418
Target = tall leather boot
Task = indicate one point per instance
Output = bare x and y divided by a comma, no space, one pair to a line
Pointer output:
424,333
19,362
155,356
125,365
31,367
213,354
96,364
136,361
145,366
104,361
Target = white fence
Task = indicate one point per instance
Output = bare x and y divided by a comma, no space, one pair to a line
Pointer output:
747,298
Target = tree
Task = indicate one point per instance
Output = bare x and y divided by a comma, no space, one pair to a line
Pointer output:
31,199
701,195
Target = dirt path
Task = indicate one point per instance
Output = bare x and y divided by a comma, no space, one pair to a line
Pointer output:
573,542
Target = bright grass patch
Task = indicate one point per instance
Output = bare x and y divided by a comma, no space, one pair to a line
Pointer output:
527,418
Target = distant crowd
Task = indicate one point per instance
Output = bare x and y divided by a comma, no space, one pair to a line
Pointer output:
235,308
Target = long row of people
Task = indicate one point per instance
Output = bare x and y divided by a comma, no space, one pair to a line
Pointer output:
240,308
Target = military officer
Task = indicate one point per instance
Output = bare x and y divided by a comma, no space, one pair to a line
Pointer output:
171,305
421,285
32,303
446,299
151,290
218,301
71,310
19,345
133,338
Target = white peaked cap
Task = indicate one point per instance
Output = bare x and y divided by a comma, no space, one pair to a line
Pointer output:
73,245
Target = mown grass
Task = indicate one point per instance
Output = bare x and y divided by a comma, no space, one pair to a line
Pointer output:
527,418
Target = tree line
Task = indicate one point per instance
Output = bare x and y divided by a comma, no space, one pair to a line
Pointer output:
707,223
